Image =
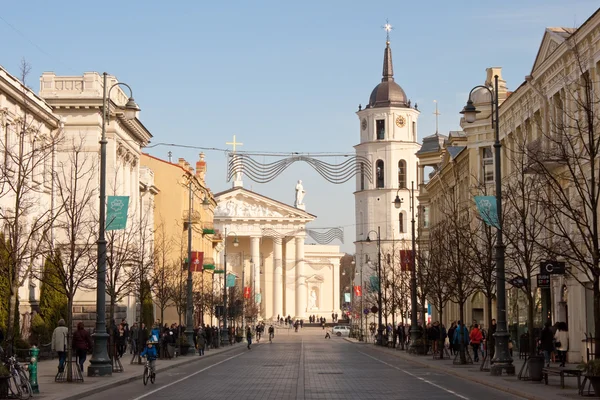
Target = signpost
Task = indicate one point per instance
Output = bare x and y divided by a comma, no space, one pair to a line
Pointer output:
543,281
552,267
116,212
518,282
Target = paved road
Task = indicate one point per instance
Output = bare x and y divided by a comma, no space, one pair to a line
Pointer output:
303,366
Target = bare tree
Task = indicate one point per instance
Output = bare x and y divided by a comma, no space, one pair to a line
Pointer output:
163,270
24,220
568,163
74,251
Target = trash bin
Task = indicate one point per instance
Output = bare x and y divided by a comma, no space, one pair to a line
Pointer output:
536,364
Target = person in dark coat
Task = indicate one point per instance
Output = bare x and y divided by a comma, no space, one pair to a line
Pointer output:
142,339
491,341
82,342
547,342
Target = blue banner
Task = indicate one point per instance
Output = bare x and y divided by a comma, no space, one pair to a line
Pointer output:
374,283
347,297
488,210
230,280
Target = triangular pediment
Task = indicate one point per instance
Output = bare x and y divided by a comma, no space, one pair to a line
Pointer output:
239,203
553,37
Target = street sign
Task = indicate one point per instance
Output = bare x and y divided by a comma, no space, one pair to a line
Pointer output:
518,282
374,309
552,267
116,212
543,281
366,311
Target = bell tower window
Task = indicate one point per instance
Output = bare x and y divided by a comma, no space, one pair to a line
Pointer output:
380,174
362,176
380,128
402,174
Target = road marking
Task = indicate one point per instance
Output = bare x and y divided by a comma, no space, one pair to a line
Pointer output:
416,376
186,377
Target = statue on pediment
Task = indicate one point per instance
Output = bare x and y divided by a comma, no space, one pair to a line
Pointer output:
300,192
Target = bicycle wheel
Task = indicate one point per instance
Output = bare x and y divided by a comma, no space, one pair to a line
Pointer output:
16,387
26,390
152,377
146,375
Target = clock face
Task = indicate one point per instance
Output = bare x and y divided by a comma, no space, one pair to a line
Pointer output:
364,124
400,121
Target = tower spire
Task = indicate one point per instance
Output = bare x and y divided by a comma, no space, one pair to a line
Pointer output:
437,115
388,67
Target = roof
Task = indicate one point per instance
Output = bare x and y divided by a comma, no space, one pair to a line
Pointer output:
388,93
454,151
432,144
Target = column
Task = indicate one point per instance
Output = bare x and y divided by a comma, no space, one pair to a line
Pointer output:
336,287
278,279
255,255
300,279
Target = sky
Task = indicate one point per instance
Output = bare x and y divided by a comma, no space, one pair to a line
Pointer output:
281,76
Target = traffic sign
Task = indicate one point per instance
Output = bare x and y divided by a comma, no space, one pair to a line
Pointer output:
518,282
374,309
552,267
366,311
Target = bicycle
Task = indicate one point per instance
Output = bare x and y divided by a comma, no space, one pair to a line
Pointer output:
18,383
149,373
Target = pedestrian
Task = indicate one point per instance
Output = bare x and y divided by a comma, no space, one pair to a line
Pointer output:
562,342
142,339
491,341
547,342
121,340
327,335
475,337
82,342
451,337
201,342
249,336
59,343
133,334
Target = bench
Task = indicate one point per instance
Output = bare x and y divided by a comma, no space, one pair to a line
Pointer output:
562,372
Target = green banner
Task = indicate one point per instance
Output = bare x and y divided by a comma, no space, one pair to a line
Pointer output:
347,297
116,212
374,283
258,298
487,207
230,280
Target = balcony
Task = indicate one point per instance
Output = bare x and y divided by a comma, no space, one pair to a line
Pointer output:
195,217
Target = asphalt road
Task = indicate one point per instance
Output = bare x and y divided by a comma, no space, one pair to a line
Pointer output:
303,366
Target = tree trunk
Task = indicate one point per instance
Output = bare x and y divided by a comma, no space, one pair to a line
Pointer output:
461,334
12,312
441,344
597,313
530,311
69,340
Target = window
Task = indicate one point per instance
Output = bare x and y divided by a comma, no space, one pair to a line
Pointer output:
362,176
379,172
425,217
401,222
402,174
487,164
388,256
414,129
380,128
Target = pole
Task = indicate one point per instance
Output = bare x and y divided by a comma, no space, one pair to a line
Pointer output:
379,315
189,315
414,329
243,292
361,298
100,363
225,335
502,359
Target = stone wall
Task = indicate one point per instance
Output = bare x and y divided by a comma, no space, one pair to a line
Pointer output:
86,313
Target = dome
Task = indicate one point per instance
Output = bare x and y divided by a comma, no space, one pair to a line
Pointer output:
388,93
481,96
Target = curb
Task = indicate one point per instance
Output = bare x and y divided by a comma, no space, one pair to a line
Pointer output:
122,381
449,371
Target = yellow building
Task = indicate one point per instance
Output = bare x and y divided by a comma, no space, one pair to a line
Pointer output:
179,183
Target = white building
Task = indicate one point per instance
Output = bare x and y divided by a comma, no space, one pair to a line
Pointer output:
388,139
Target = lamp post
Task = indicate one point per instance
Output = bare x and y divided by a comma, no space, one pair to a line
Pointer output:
502,359
379,312
225,336
189,310
414,328
100,363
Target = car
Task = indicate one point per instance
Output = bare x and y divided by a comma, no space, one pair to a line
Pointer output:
341,330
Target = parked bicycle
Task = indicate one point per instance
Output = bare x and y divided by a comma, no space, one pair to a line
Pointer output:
18,384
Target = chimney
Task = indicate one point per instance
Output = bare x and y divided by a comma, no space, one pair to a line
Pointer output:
170,154
201,168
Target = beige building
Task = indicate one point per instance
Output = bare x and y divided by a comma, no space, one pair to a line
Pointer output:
538,122
176,182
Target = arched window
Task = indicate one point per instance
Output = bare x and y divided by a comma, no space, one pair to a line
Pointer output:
402,174
362,176
380,174
401,222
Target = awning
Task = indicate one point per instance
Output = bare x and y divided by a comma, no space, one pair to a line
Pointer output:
209,266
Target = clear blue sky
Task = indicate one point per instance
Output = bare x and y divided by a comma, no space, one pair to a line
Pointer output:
282,76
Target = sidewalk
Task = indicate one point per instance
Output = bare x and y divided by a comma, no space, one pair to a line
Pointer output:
508,384
50,390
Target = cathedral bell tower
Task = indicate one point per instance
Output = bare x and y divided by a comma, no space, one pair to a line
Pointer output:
388,138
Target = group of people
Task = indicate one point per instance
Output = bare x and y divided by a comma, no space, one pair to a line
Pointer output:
81,344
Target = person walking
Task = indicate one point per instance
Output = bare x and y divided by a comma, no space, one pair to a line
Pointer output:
249,337
475,337
562,342
451,337
82,342
59,343
547,342
201,342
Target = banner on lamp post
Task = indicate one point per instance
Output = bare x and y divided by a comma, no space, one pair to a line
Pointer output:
258,298
374,283
197,263
116,212
247,292
347,298
230,282
358,291
488,210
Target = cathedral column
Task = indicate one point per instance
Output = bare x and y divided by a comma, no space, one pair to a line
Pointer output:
336,286
300,279
255,255
278,278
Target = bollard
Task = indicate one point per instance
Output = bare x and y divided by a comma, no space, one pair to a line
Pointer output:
34,352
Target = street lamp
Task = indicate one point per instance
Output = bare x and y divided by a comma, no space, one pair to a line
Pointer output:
398,201
379,312
189,312
236,243
100,363
502,359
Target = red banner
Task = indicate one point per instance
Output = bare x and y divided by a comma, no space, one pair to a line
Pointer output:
405,260
197,261
247,292
358,291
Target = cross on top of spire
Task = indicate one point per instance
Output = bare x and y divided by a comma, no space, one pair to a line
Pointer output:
387,27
